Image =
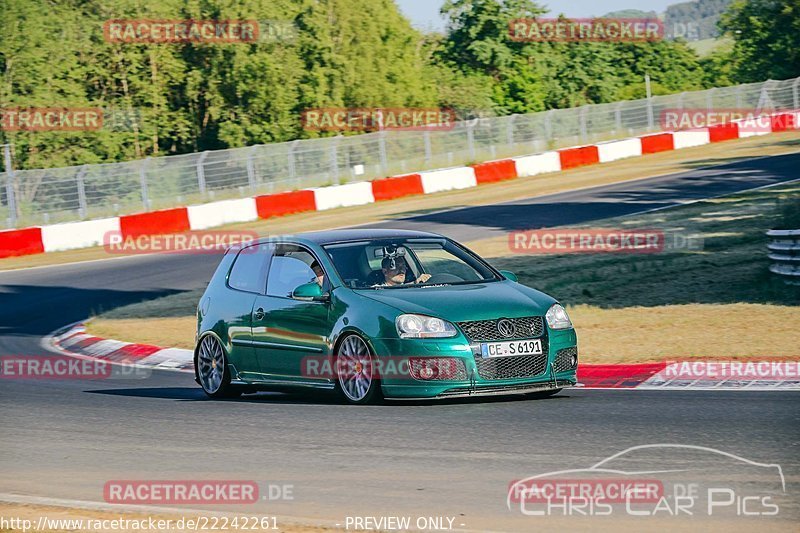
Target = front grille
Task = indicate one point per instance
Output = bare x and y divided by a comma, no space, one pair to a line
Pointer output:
487,331
563,360
520,366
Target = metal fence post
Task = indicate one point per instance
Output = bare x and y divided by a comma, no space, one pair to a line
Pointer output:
10,198
739,97
471,140
618,117
82,209
548,124
291,161
143,180
582,122
426,137
201,173
383,154
709,100
334,158
796,95
510,131
251,167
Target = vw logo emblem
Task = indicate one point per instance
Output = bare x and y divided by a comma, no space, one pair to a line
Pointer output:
505,327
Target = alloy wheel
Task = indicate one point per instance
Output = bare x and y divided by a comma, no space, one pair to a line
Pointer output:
355,370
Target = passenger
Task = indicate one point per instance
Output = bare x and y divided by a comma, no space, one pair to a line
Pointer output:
319,274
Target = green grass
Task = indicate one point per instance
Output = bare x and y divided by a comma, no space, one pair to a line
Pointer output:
730,268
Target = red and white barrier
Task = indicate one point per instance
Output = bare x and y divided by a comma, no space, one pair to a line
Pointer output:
579,156
689,139
204,216
72,235
285,203
659,142
358,193
492,171
88,233
25,241
448,179
155,222
614,150
397,187
531,165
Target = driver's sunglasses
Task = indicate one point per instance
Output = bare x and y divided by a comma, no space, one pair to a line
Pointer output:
399,267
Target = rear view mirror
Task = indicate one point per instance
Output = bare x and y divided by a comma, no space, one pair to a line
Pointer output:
309,291
509,275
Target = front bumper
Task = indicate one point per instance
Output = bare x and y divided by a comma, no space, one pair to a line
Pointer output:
493,390
551,374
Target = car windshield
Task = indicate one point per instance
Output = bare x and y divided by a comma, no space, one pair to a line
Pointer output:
404,263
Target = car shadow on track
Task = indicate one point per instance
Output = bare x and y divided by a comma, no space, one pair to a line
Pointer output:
193,394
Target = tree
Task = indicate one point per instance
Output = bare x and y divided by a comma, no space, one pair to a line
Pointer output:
766,36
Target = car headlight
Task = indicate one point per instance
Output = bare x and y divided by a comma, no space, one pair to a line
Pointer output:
423,327
557,317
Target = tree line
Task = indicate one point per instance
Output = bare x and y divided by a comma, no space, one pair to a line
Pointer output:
189,97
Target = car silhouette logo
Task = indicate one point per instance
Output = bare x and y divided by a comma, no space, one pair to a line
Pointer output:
505,327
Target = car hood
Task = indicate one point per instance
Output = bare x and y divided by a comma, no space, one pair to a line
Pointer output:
457,303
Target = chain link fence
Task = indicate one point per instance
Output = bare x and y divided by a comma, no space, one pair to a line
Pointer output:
32,197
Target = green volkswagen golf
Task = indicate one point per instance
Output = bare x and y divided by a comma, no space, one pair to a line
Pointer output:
376,314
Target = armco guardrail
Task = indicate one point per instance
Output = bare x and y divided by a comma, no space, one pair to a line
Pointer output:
36,197
784,254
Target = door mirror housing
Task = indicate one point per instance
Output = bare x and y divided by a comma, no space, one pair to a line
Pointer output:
509,275
311,292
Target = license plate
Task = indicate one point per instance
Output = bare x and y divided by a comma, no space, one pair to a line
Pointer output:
509,348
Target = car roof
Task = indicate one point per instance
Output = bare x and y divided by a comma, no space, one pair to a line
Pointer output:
348,235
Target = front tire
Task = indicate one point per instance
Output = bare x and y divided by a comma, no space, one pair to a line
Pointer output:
357,379
211,369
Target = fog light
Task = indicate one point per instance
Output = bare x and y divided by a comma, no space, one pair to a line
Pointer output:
573,360
426,372
436,368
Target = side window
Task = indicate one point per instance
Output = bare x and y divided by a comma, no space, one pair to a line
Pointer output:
249,272
288,271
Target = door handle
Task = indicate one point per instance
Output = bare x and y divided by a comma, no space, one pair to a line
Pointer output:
258,314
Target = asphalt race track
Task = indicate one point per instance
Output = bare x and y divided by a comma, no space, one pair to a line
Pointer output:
66,439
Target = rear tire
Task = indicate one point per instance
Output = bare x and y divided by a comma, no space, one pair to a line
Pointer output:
357,380
211,370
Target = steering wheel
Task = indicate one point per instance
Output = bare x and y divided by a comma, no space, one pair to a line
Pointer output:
444,278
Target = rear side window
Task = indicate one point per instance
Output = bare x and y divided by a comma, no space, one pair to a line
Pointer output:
249,272
288,271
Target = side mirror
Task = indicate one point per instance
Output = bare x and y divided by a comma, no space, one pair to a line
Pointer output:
510,275
310,291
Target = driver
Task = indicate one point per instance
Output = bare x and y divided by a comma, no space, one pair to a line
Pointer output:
394,272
